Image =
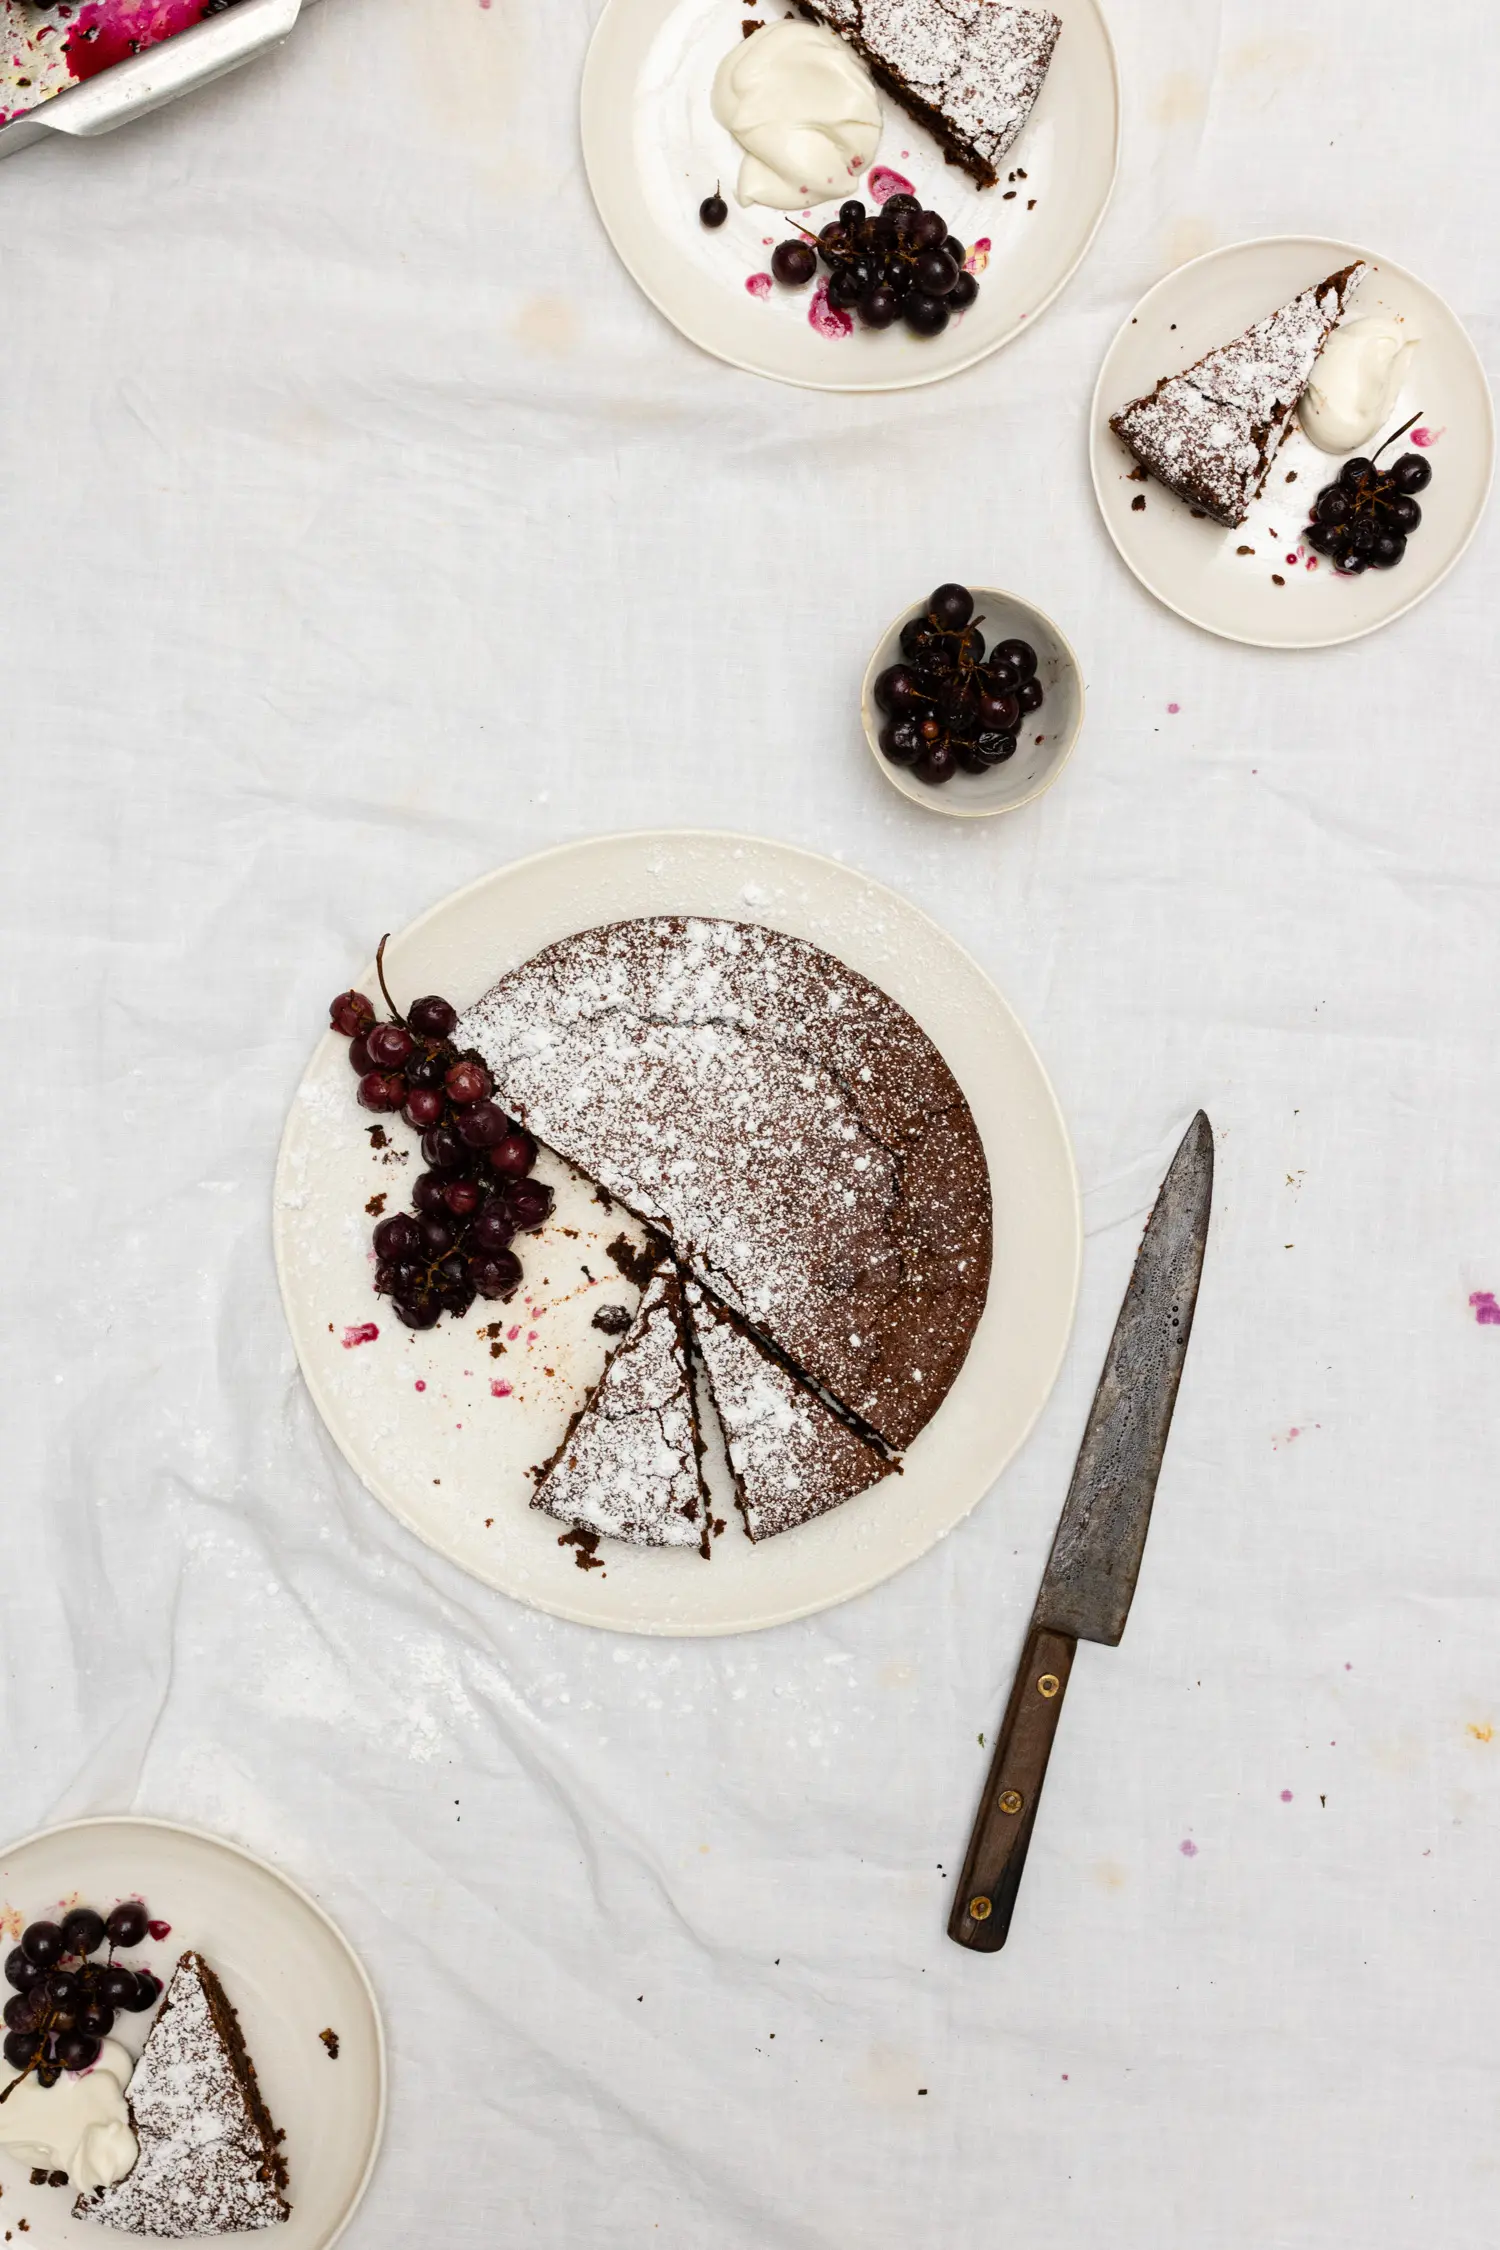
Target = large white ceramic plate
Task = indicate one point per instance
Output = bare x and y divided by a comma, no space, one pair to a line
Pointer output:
653,151
287,1970
444,1429
1280,594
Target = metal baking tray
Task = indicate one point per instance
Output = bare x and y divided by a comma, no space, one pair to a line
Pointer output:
142,82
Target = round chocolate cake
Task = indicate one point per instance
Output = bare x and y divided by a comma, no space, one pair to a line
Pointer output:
789,1129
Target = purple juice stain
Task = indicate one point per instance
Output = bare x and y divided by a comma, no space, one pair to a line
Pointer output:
883,183
1486,1311
1188,1848
1286,1796
759,285
828,320
365,1332
1425,437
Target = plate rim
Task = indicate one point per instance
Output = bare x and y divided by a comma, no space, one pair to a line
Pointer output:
1096,426
688,1629
589,90
278,1874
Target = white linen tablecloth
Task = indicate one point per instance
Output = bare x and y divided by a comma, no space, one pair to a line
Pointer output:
363,528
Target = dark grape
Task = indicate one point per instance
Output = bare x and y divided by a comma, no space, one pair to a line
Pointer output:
935,272
997,714
851,214
955,249
901,742
1320,536
513,1157
117,1985
443,1150
492,1229
438,1237
495,1273
1353,563
1411,473
378,1092
971,758
98,2017
936,765
429,1191
794,263
416,1312
925,316
422,1108
964,291
462,1197
996,748
20,2012
900,689
919,638
78,2050
926,231
128,1923
388,1045
484,1125
467,1082
1021,655
901,201
351,1014
950,606
147,1993
1388,549
359,1058
431,1018
397,1237
1333,504
61,1986
833,241
48,2073
1404,512
879,307
20,1970
713,210
83,1930
529,1203
431,1068
21,2048
1356,473
1362,536
42,1943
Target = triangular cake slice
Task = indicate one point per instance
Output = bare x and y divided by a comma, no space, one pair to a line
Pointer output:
630,1464
791,1457
210,2160
969,70
1211,433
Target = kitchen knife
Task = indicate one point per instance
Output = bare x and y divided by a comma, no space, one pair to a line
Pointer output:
1101,1534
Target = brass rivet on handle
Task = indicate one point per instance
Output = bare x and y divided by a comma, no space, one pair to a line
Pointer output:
1011,1800
1048,1684
980,1910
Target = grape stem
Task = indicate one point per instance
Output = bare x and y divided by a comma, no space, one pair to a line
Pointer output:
1375,456
396,1014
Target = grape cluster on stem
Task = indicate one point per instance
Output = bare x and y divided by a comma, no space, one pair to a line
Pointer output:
1363,520
949,707
64,2003
898,262
477,1193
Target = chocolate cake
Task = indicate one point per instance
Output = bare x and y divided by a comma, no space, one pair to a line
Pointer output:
791,1457
630,1464
792,1132
210,2160
969,70
1211,433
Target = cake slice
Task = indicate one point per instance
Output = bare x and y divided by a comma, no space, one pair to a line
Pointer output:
969,70
210,2160
630,1465
791,1457
1211,433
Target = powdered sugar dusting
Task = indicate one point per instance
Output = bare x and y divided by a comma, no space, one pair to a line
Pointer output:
792,1458
629,1466
788,1126
204,2166
974,70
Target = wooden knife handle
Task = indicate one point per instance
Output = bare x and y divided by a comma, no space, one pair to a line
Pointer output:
1007,1810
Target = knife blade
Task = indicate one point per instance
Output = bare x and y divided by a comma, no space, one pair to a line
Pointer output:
1096,1554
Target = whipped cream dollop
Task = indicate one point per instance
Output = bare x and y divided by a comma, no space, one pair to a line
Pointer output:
80,2126
1356,382
803,110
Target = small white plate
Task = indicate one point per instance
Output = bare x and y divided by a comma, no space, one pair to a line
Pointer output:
444,1432
654,150
1046,737
1280,594
288,1972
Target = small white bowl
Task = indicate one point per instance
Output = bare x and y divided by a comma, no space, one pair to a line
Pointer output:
1046,736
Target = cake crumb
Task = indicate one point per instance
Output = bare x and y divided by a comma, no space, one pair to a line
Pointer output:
587,1544
1244,550
330,2040
1277,579
375,1206
1139,501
